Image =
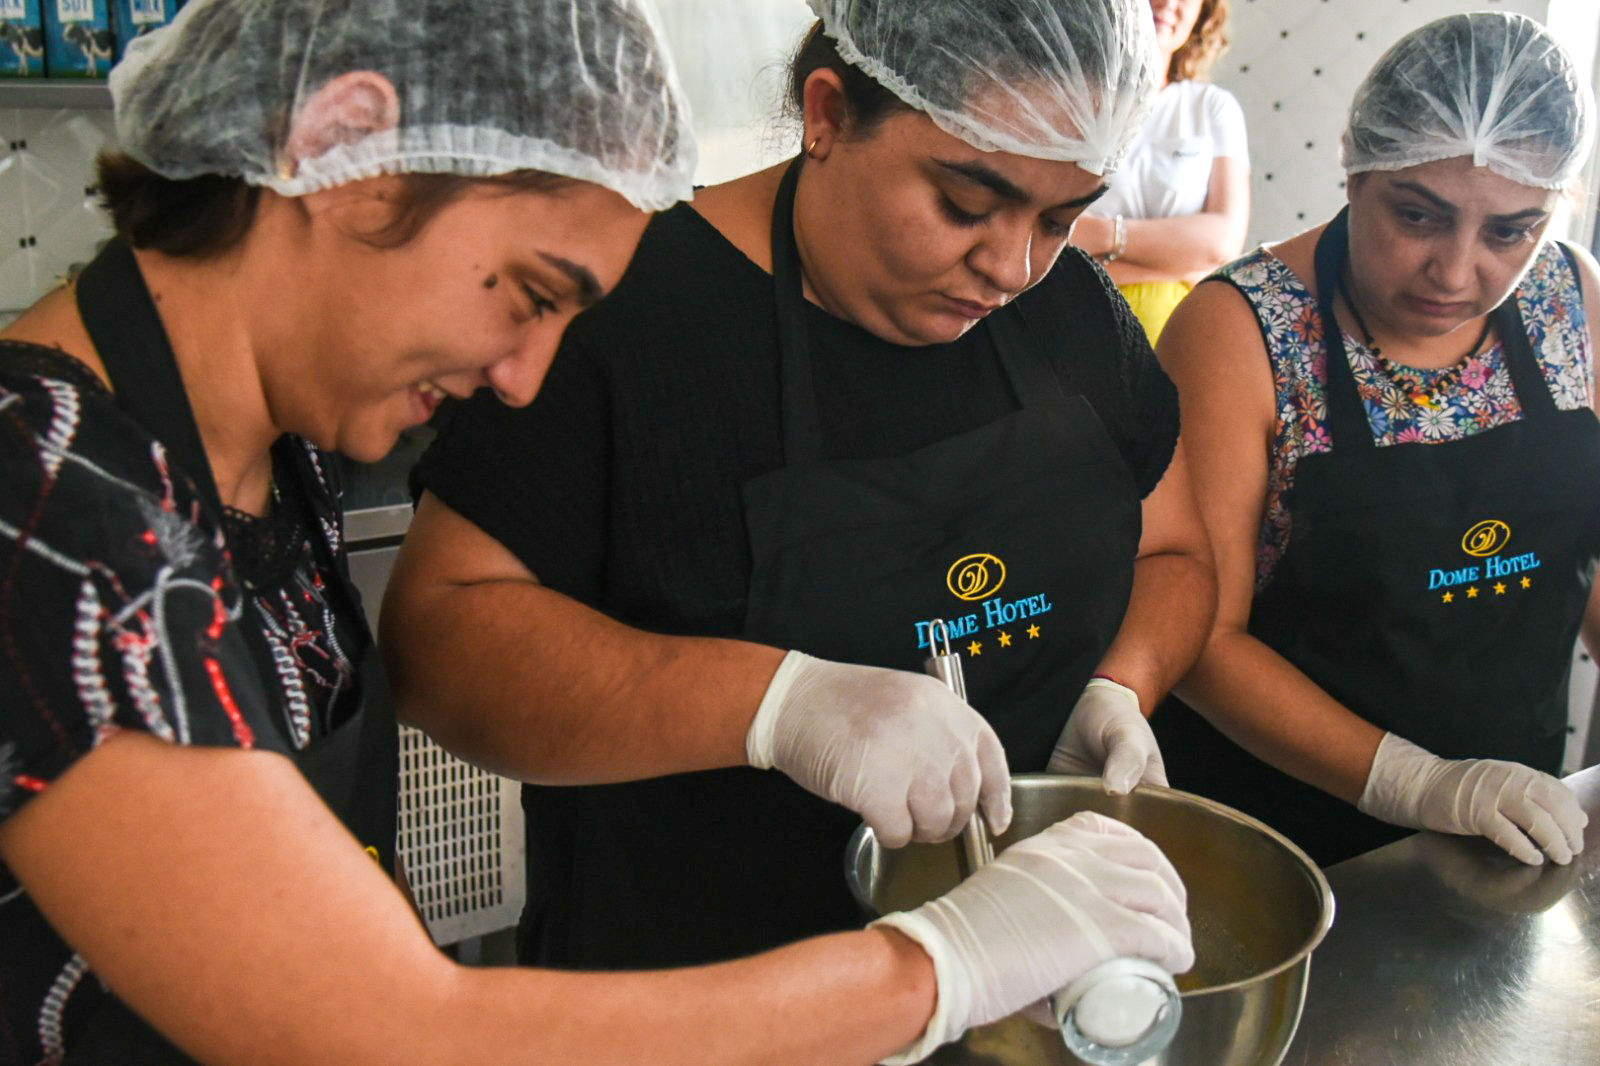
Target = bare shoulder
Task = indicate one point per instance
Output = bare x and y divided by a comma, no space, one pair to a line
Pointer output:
741,210
1299,254
54,323
1210,330
1213,350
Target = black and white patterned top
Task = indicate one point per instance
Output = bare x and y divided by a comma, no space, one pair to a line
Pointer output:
123,606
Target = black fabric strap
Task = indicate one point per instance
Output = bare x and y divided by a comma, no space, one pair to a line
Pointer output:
1022,355
1533,392
132,344
802,432
1347,419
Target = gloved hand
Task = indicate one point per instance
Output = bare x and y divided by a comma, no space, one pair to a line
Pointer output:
1483,797
1045,912
1107,735
897,748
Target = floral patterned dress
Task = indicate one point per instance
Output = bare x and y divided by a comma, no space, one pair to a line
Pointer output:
1404,404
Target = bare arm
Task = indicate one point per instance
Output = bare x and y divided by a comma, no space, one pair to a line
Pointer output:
515,676
257,931
1181,248
1212,347
1174,592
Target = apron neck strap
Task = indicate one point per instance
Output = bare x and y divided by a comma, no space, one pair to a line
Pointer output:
1533,392
1021,354
1348,426
127,333
802,432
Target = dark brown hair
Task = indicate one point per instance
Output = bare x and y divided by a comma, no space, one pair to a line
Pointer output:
1207,41
210,214
866,102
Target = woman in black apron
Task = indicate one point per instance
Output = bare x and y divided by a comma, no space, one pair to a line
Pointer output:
799,426
1404,567
198,755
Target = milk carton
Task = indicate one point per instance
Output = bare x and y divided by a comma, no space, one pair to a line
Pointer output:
135,18
21,39
79,42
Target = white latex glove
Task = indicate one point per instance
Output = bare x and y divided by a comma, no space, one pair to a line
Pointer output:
897,748
1107,735
1045,912
1504,801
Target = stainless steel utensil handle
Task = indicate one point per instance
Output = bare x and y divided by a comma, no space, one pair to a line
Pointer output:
977,849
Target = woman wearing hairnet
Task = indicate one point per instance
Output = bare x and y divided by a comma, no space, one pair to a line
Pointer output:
1396,458
329,216
832,402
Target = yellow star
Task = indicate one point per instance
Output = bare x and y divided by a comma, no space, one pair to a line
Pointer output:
1033,632
1472,593
975,648
1449,597
1005,639
1499,588
1527,582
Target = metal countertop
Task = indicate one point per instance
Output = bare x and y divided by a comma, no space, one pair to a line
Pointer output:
1447,952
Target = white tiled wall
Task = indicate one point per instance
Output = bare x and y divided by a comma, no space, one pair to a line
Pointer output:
48,216
1295,64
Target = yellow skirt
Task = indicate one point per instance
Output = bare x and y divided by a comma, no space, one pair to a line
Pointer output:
1154,301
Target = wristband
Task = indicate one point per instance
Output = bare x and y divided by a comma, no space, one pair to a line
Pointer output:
1119,239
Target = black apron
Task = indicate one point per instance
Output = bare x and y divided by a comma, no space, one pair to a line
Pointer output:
355,768
1022,534
1436,590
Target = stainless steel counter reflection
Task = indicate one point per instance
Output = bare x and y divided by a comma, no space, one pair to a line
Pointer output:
1446,952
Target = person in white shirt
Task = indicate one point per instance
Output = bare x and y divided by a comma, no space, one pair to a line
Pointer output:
1179,206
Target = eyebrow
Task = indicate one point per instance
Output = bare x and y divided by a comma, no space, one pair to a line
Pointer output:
1440,202
1008,190
589,290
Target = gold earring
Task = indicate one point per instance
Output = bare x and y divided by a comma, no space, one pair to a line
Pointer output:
811,149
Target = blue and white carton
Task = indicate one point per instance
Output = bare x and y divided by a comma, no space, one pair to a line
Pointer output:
21,39
79,40
135,18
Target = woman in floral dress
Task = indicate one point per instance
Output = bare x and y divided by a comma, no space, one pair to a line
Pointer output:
1397,459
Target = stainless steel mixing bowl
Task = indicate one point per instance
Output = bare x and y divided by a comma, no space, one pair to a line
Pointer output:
1258,906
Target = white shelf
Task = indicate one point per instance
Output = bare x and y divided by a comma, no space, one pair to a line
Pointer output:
54,93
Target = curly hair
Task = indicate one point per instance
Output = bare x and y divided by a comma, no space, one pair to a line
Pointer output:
1207,41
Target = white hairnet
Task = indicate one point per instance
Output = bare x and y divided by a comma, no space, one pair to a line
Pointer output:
1052,79
1491,85
580,88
